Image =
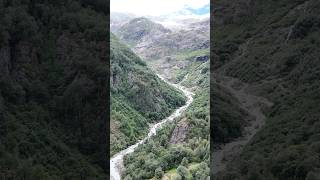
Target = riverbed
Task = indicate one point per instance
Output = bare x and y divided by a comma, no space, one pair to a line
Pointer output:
116,162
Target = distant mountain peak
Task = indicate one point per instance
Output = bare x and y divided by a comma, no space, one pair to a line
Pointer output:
140,19
136,29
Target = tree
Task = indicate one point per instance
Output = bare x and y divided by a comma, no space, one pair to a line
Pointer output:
200,175
163,140
128,177
159,173
184,162
183,172
177,177
200,172
313,176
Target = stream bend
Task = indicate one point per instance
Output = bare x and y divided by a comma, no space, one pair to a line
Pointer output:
116,162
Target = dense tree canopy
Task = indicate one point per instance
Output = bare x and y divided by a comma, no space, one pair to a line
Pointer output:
53,93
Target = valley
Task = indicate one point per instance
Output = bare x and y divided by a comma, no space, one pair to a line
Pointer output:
138,97
116,162
184,64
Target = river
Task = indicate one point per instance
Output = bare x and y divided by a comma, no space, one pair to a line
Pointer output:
116,162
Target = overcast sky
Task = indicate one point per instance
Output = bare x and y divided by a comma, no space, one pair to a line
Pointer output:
159,7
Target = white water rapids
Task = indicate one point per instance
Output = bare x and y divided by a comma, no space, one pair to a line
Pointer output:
116,162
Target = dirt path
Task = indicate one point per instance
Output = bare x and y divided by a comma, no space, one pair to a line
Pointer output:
250,103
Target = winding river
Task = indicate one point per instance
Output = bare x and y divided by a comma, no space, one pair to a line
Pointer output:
116,162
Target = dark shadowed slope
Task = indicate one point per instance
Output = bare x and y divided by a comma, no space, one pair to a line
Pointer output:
274,47
53,75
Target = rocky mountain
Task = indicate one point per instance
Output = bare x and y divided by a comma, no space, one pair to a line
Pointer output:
273,47
178,20
53,95
177,41
139,97
183,57
139,30
119,19
153,41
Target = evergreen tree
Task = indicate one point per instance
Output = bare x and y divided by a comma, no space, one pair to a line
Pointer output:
177,177
128,177
184,162
183,172
159,173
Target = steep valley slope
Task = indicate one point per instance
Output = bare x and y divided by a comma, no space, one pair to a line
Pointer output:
182,57
273,46
139,97
53,93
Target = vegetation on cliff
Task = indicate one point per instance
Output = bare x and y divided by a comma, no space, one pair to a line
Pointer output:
53,93
163,156
139,97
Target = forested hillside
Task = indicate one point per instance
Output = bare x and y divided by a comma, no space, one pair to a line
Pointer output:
139,97
228,117
53,93
274,47
180,149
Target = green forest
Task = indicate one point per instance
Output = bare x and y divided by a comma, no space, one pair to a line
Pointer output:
139,97
56,67
273,46
159,158
53,93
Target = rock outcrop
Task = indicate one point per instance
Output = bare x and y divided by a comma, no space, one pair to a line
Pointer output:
152,40
180,132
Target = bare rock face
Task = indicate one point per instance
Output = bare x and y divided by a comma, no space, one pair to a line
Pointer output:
179,133
151,40
140,30
119,19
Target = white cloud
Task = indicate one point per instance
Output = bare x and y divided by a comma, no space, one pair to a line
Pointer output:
154,7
